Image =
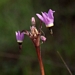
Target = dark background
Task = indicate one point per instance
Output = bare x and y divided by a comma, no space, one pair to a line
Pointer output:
16,15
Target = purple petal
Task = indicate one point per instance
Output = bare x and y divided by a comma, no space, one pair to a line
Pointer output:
19,35
40,17
50,13
16,35
46,14
45,18
22,36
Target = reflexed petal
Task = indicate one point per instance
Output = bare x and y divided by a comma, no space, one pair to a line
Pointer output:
19,35
50,13
46,14
45,18
40,17
16,33
22,36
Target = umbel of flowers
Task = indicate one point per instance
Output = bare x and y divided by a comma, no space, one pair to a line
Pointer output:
36,35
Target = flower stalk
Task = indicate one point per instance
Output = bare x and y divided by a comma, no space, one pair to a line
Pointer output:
35,35
40,60
37,45
38,51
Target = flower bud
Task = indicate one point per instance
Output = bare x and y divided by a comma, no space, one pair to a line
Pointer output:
43,38
33,21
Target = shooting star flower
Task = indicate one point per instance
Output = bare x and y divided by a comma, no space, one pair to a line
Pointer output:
47,18
19,37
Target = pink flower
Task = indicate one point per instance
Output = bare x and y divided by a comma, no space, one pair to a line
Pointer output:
19,36
43,38
47,18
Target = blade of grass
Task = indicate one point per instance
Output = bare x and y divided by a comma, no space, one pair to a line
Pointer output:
65,63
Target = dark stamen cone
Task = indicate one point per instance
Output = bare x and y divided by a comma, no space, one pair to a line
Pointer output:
20,45
50,29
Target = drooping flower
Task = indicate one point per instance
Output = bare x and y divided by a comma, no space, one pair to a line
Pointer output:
43,38
19,37
47,18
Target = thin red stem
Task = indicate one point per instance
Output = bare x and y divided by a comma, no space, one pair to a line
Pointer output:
40,60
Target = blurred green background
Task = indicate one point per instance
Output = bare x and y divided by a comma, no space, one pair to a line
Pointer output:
16,15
